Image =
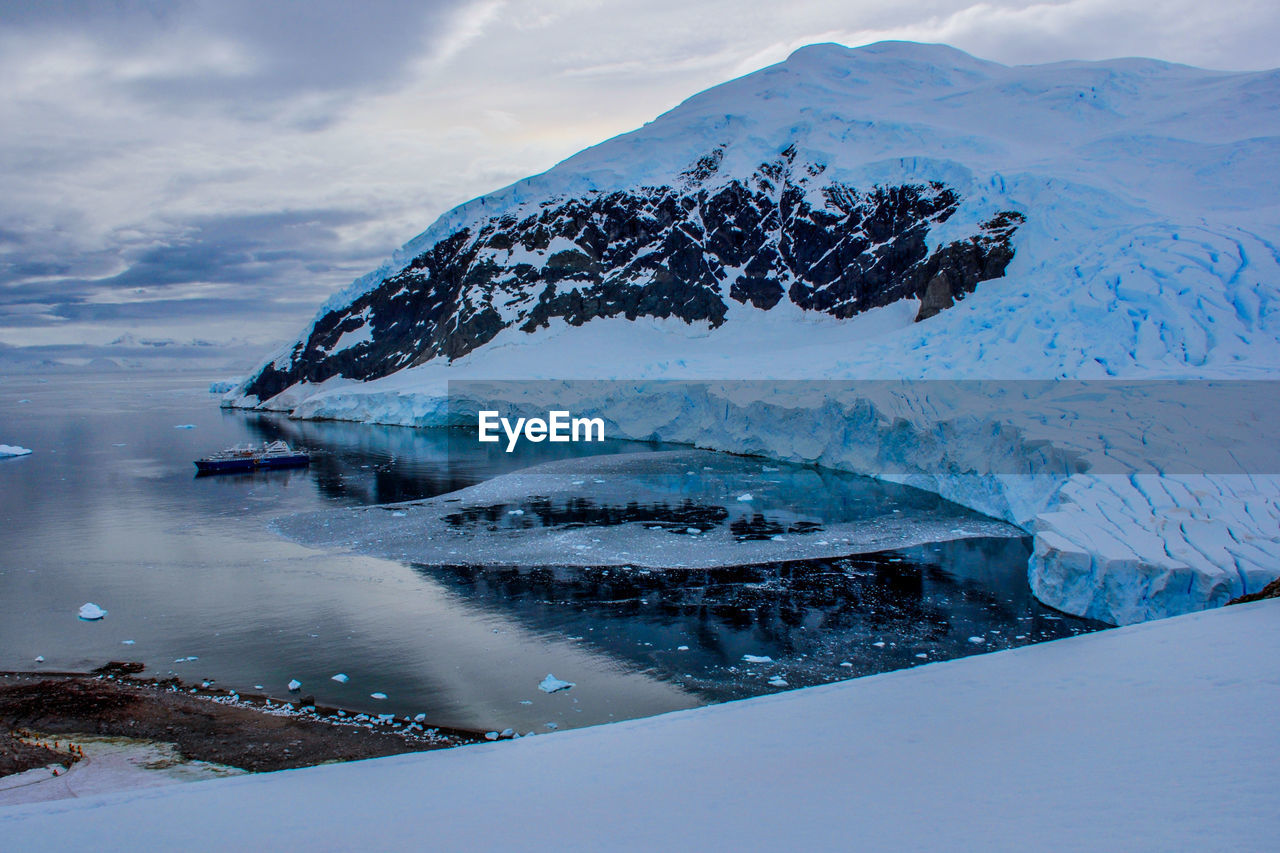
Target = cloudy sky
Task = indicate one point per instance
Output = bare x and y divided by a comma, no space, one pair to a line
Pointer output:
213,170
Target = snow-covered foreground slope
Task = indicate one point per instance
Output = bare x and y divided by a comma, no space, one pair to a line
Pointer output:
1153,737
892,211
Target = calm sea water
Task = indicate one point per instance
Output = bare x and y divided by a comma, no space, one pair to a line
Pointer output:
107,510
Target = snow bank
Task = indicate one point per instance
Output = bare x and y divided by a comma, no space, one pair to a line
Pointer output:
1111,740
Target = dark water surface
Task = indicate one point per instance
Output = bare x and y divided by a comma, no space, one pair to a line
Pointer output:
107,510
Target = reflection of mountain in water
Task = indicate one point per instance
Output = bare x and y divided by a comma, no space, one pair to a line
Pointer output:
809,617
361,464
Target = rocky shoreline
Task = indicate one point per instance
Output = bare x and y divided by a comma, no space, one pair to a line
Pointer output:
252,732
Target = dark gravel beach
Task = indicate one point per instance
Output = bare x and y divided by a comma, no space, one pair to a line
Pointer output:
251,732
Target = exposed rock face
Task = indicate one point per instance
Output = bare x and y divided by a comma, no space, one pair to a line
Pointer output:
666,251
1271,590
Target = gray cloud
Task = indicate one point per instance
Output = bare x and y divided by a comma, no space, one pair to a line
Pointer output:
245,56
258,264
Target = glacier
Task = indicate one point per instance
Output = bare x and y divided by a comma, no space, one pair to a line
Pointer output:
1149,249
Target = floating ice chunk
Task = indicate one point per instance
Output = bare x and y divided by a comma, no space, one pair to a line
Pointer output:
846,664
551,684
777,681
490,735
341,678
879,644
515,512
693,530
13,450
682,648
184,660
398,514
977,639
39,658
378,695
922,655
126,642
777,538
552,726
769,470
184,426
526,701
757,659
91,612
507,733
746,497
295,685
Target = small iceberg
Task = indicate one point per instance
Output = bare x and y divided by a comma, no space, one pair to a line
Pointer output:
184,426
777,681
757,659
341,678
39,658
746,497
91,612
295,685
551,684
13,450
378,695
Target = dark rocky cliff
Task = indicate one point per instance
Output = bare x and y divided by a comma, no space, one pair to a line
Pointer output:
664,251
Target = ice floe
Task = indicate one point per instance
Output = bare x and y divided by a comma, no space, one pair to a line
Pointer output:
551,684
648,515
91,612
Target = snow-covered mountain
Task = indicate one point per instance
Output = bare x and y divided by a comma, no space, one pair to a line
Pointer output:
896,210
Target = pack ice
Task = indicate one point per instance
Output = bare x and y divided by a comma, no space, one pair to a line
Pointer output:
891,211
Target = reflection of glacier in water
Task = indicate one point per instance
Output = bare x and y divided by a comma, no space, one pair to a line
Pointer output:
363,464
817,621
693,567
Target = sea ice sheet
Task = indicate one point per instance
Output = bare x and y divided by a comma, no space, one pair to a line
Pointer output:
671,509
